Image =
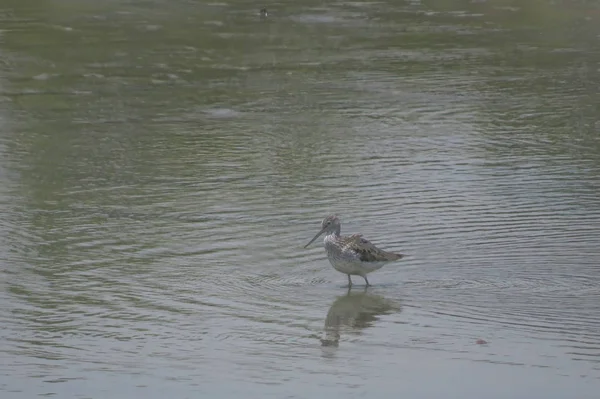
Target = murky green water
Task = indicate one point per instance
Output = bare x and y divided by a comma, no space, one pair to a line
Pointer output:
162,163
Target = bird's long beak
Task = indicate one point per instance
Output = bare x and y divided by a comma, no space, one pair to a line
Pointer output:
315,237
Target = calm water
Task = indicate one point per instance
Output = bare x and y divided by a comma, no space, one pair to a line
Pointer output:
162,164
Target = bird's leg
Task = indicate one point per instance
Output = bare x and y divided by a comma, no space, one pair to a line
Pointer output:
366,281
349,281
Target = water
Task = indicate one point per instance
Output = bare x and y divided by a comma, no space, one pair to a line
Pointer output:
163,163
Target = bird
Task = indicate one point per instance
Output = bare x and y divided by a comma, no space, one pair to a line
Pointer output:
352,255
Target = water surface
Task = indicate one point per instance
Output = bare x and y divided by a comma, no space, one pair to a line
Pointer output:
163,163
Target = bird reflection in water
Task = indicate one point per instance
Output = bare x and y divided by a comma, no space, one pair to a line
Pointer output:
353,312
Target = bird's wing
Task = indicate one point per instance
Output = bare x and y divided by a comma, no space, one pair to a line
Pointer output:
366,251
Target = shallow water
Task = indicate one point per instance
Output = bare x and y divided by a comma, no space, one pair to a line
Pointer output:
163,163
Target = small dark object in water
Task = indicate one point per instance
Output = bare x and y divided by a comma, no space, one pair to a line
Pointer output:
481,342
264,13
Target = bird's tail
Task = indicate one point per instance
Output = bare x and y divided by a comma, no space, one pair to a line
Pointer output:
393,256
